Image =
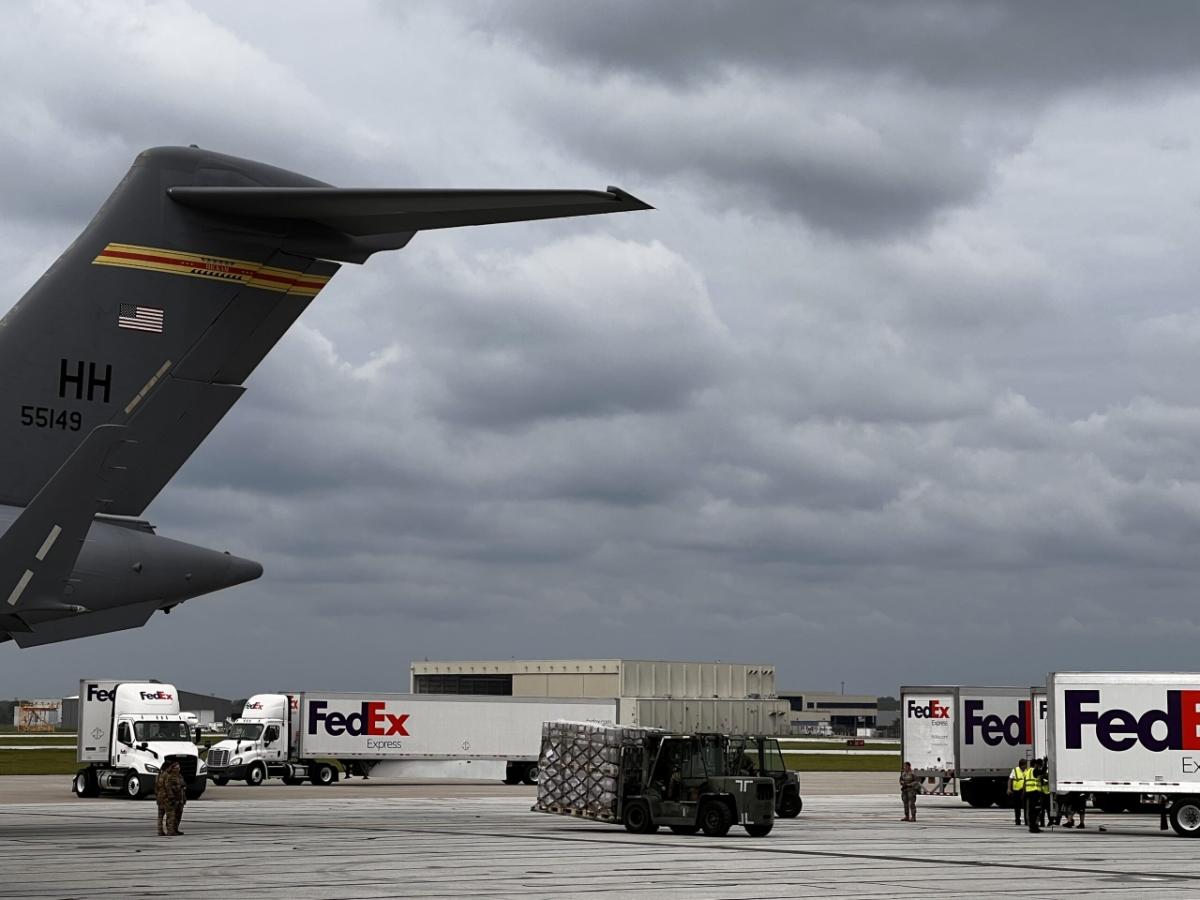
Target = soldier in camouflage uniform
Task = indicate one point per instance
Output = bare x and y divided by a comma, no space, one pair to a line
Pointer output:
170,794
910,786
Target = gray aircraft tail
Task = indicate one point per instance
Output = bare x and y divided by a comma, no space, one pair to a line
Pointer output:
187,276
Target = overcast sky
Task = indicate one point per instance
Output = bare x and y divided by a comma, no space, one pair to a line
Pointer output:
899,383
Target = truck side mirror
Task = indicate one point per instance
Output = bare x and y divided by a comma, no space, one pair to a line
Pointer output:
199,732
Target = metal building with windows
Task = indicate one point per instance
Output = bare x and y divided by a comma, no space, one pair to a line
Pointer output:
680,696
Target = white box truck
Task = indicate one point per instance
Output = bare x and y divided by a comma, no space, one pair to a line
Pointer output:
979,732
1041,706
1128,736
127,731
299,737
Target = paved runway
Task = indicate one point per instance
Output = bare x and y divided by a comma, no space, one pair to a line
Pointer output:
346,844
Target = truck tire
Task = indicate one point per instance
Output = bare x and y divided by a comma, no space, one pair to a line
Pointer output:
135,785
256,774
85,784
195,790
637,818
322,774
289,775
977,793
220,780
715,818
685,829
531,774
759,830
1185,817
790,805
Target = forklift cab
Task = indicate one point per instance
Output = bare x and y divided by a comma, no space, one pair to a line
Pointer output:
760,755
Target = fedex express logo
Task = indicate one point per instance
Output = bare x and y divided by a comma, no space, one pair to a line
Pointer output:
934,709
254,705
372,719
1012,730
1119,729
155,695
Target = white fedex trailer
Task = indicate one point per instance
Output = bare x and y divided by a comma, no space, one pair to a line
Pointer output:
927,728
299,737
1128,734
1041,706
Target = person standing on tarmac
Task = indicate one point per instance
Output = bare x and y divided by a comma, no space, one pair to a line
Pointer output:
1016,787
171,796
1034,795
910,785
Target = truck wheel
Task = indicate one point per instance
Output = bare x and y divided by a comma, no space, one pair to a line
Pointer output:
195,790
790,805
685,829
323,774
759,830
85,784
256,775
715,819
637,818
531,774
289,775
220,780
134,786
1185,817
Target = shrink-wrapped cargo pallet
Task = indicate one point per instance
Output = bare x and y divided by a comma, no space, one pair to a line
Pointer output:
579,765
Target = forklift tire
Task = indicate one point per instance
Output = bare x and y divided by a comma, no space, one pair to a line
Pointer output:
637,818
685,829
323,773
759,830
256,775
715,818
220,780
790,806
85,784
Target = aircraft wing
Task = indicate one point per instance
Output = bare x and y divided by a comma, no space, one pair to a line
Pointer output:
38,551
386,219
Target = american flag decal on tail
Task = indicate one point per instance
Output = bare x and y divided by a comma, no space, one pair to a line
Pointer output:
140,318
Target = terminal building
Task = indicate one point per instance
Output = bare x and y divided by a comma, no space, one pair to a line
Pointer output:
829,712
680,696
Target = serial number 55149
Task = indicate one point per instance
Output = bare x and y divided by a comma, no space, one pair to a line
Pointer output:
46,417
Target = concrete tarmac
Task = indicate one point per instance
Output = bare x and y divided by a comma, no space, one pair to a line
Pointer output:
371,839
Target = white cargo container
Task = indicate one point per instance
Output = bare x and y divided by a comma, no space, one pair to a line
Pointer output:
927,728
299,737
127,731
1041,706
990,728
1128,734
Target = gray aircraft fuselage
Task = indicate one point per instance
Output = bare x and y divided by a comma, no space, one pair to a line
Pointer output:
131,348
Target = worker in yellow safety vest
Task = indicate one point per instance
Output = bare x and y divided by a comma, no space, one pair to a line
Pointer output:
1016,787
1037,787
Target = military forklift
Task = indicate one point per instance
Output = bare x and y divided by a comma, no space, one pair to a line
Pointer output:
684,782
756,754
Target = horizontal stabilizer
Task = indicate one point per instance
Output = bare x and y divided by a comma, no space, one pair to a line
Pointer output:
38,551
374,212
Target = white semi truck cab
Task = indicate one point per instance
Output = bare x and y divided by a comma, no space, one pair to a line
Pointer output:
127,733
261,744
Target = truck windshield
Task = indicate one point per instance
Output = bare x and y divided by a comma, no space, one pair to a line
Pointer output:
245,731
161,731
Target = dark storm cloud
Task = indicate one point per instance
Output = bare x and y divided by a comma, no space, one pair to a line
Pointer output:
866,119
1000,45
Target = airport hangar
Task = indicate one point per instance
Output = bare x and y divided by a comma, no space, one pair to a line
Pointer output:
678,696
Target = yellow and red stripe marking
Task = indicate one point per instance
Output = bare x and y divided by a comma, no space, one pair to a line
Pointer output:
216,268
